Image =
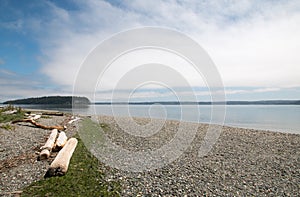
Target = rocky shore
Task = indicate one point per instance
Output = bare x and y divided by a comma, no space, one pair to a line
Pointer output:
243,162
19,150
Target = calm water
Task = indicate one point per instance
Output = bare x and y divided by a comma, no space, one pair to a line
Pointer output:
284,118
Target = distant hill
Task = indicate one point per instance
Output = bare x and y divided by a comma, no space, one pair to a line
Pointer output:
51,100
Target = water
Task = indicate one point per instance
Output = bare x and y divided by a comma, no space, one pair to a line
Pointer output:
284,118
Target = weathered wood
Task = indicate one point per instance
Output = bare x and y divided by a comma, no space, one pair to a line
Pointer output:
47,148
35,117
61,140
49,113
9,112
61,128
60,164
74,120
44,154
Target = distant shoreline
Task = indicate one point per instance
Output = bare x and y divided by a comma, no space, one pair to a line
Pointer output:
296,102
70,100
266,102
278,118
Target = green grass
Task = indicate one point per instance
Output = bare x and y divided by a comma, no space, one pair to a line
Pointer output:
11,117
84,177
93,134
7,127
104,126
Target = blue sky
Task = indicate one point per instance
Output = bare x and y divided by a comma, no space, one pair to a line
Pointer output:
254,44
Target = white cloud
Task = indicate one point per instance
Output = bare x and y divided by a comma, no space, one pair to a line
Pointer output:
250,91
162,66
250,48
146,93
74,34
258,53
253,43
15,86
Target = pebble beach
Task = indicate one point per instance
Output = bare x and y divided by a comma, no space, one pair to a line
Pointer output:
19,151
243,162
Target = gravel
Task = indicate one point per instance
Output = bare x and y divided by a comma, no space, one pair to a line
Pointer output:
19,150
243,162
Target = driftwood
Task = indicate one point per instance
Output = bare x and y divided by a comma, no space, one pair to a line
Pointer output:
61,141
44,154
60,164
10,112
50,113
35,117
47,148
74,120
61,128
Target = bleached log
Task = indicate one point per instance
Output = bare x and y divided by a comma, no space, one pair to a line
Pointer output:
9,112
60,164
35,117
61,140
51,140
44,154
47,148
74,120
61,128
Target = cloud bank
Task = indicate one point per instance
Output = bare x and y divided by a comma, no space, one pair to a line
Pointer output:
253,43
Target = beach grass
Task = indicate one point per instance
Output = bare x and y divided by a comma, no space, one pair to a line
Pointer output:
4,118
84,178
7,126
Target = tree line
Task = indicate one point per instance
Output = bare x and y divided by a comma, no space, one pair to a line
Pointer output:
49,100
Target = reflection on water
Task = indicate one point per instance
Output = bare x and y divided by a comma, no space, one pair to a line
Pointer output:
283,118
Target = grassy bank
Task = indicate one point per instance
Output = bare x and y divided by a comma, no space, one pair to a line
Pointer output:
4,118
84,178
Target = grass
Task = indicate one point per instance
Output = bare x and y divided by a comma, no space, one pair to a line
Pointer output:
7,127
84,177
11,117
93,134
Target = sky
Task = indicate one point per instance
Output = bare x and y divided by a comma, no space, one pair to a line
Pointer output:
254,45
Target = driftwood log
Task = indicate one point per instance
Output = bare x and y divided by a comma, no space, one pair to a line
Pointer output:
49,113
47,148
35,117
60,164
10,112
60,141
61,128
74,120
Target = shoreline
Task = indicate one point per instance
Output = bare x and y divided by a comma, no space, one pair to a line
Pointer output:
242,162
264,125
296,132
283,126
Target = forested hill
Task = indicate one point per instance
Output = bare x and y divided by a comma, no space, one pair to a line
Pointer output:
51,100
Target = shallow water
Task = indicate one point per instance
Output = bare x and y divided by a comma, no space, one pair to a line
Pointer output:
284,118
